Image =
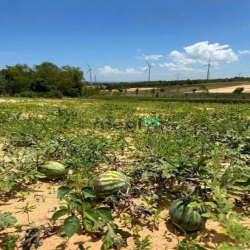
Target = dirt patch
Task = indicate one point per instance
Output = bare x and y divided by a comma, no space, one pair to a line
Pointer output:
141,89
10,100
231,89
43,196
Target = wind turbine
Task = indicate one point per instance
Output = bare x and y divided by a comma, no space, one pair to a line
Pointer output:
239,74
208,65
148,68
177,76
90,73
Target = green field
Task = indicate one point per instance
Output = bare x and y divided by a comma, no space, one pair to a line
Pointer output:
198,150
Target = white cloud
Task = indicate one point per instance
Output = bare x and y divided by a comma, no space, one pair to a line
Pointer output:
244,52
107,70
199,53
153,57
177,67
131,71
150,57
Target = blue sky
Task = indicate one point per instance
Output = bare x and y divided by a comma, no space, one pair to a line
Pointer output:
115,37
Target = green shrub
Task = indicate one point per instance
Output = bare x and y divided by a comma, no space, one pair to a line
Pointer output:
238,90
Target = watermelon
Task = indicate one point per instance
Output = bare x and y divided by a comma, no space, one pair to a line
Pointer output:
110,183
187,218
53,170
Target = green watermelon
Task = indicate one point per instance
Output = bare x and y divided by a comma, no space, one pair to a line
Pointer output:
53,170
110,183
187,218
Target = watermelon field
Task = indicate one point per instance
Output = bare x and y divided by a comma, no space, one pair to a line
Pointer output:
110,174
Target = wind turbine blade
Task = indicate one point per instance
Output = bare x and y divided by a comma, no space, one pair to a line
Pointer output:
87,71
147,62
146,69
87,64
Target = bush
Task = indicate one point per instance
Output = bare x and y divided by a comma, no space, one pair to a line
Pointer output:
54,94
238,90
90,91
73,92
27,93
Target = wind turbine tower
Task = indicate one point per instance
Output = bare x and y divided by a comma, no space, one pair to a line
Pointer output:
208,65
177,76
149,69
90,73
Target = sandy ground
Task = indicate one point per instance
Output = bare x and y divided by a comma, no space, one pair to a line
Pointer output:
43,196
134,89
216,90
230,89
9,100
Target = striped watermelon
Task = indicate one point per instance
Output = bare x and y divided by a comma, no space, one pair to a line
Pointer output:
53,170
187,218
110,183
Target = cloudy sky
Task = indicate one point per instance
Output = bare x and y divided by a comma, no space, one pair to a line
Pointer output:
176,37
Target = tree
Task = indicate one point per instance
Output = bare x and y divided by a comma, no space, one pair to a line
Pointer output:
16,79
40,85
71,81
49,72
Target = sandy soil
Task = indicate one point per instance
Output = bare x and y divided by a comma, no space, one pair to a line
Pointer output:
230,89
216,90
134,89
43,196
9,100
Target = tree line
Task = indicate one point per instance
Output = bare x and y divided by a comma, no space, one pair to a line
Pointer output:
45,79
126,85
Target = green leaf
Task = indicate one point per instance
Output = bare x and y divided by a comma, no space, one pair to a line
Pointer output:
123,233
194,204
107,242
211,204
6,219
111,239
86,206
88,225
98,225
62,191
105,213
209,215
40,175
59,214
75,197
63,207
81,247
88,192
226,246
71,226
91,215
